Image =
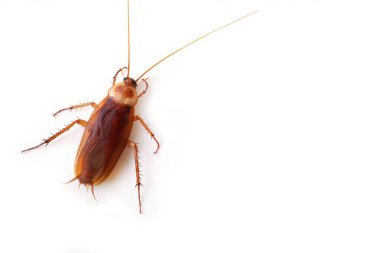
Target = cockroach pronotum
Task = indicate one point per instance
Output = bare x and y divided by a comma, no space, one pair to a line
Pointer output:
107,132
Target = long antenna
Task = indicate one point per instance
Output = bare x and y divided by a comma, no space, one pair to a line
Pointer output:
192,42
129,45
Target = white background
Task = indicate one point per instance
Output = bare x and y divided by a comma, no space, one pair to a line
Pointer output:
270,129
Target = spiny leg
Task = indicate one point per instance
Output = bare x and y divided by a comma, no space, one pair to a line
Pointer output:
146,87
46,141
138,180
137,117
117,73
94,105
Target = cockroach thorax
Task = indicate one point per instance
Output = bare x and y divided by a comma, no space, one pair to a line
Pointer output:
124,92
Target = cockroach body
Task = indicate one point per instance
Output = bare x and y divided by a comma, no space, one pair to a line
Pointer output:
106,134
108,130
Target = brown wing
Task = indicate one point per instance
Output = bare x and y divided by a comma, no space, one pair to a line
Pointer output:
103,141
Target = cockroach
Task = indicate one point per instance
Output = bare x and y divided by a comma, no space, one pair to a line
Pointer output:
107,132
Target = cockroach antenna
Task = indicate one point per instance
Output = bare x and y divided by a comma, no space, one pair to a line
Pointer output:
129,42
192,42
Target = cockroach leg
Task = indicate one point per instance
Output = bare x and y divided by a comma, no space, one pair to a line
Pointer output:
137,117
46,141
146,87
117,73
94,105
138,180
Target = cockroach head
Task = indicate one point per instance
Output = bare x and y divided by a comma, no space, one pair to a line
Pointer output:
124,92
130,82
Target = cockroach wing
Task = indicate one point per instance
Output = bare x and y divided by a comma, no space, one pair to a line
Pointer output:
103,141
